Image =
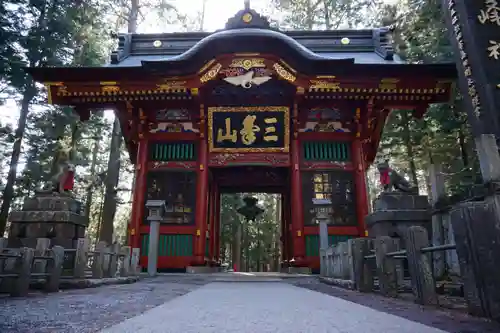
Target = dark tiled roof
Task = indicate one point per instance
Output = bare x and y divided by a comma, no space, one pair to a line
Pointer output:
368,46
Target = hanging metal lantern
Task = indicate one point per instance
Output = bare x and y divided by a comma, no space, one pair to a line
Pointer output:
250,211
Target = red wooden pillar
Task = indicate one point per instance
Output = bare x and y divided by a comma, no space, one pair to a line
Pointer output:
201,195
217,223
139,194
211,249
296,202
360,185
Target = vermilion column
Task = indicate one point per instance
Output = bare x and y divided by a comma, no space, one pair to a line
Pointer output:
297,204
139,194
360,185
201,203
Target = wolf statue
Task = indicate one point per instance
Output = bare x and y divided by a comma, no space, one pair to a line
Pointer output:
392,180
63,180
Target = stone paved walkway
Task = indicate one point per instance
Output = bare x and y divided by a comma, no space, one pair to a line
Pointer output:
264,307
226,303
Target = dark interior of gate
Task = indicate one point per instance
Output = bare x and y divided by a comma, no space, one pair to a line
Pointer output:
251,179
250,109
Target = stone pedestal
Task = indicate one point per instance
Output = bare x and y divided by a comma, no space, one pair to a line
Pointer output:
58,217
394,212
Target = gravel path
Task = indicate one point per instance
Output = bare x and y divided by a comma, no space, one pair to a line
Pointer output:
265,307
446,320
90,310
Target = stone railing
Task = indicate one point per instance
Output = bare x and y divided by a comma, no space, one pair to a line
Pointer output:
23,266
358,263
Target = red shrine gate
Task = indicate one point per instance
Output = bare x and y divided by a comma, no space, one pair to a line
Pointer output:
249,108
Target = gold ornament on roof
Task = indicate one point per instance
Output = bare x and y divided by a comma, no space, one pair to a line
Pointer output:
247,18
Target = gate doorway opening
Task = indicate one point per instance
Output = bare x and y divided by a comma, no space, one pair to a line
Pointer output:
251,245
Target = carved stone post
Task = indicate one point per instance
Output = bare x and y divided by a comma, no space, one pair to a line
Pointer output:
81,257
23,270
113,260
125,268
386,268
363,276
134,261
97,265
420,265
54,269
475,35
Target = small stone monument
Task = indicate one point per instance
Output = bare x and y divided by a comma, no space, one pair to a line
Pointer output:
157,210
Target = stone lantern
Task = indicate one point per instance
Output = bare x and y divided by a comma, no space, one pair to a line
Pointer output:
157,210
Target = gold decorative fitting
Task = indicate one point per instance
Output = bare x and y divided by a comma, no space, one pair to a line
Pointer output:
388,84
195,91
170,85
247,63
211,74
283,73
300,90
110,89
345,41
157,43
247,18
323,84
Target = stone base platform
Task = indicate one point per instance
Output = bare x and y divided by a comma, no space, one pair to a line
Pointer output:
299,270
202,269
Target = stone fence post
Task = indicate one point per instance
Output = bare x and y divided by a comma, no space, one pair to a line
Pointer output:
54,268
42,249
113,260
81,258
134,261
98,262
22,268
125,268
363,276
420,265
386,266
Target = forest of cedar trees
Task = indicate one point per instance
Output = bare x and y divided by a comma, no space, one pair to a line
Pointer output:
80,33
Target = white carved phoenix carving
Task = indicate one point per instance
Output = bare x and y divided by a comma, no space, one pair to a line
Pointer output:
246,80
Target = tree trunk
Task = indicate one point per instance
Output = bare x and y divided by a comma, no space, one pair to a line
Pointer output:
328,24
309,16
202,15
8,193
113,174
409,147
111,183
236,253
133,16
90,189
